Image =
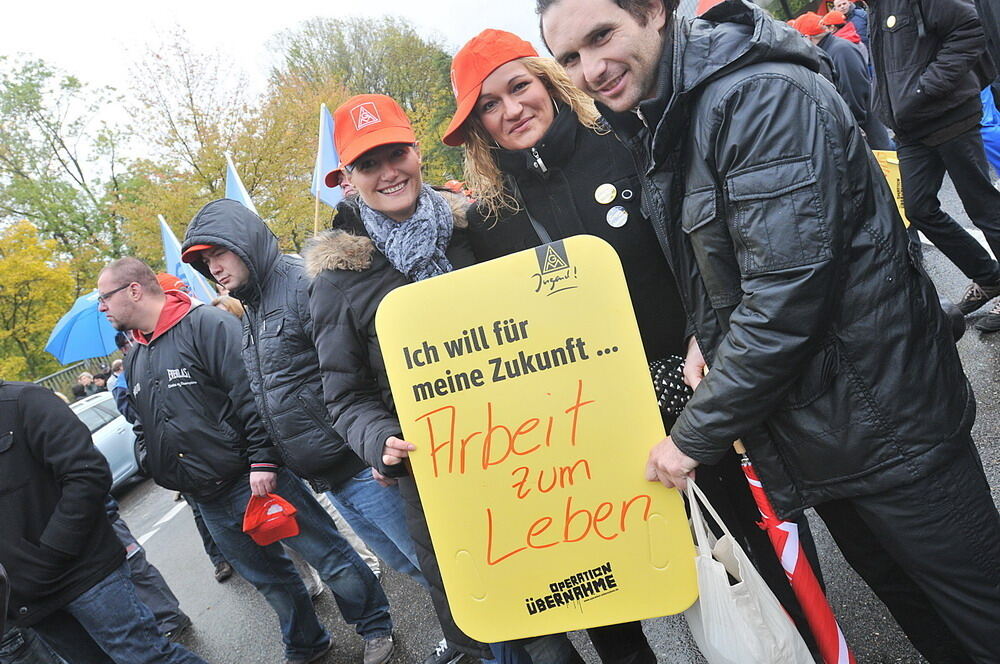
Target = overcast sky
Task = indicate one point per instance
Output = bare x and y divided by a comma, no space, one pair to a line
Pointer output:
96,41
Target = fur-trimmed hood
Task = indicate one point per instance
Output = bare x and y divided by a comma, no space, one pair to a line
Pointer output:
347,246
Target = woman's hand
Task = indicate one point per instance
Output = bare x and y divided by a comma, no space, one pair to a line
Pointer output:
395,450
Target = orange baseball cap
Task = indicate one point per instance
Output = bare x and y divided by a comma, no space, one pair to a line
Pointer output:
833,18
190,254
270,518
364,122
168,281
810,24
470,67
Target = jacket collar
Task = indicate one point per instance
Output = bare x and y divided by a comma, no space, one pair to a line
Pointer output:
552,151
175,308
348,247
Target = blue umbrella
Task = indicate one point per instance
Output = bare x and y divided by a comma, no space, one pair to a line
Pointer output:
82,333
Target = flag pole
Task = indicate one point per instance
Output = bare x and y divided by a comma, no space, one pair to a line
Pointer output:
316,217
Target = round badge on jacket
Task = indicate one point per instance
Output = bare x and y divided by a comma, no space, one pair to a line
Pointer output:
605,193
890,22
617,216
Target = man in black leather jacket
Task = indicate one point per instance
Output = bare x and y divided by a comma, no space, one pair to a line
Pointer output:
830,356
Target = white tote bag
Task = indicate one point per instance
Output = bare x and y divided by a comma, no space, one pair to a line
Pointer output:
742,623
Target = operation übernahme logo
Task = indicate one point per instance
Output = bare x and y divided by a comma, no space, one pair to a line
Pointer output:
581,587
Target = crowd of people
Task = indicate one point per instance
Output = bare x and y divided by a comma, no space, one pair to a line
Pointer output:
728,161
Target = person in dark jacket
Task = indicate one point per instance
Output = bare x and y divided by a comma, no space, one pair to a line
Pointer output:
68,576
202,436
400,231
851,75
830,356
545,167
930,67
230,244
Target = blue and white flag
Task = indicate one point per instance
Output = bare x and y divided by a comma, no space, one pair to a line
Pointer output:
326,161
235,190
199,286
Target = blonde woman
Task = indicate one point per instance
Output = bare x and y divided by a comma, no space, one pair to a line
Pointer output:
544,166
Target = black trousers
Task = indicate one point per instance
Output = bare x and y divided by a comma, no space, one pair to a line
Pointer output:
922,169
931,552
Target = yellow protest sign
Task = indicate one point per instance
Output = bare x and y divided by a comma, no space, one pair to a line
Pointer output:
889,163
523,384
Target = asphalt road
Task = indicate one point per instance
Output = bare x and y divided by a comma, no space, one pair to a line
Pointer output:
233,624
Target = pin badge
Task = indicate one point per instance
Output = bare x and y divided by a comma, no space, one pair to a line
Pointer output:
605,193
890,22
627,194
617,216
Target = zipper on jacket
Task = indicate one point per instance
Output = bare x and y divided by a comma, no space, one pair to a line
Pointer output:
538,161
265,415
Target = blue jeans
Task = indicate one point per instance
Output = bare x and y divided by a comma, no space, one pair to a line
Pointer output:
377,515
112,617
356,590
22,646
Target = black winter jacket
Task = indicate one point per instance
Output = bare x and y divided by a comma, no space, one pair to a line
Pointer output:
349,279
852,79
556,182
927,55
55,538
198,423
278,350
829,353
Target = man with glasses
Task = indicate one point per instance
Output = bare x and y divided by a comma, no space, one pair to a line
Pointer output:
203,436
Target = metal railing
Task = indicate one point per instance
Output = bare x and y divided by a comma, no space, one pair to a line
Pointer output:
63,380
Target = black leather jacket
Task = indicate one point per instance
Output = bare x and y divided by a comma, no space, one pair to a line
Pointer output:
830,356
197,423
278,350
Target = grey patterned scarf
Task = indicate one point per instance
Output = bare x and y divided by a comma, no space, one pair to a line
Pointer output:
416,246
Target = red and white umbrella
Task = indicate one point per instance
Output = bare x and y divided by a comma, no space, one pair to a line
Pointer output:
784,537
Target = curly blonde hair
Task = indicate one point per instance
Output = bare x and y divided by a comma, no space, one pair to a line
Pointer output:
482,173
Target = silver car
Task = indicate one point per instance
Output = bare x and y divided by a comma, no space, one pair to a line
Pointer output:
111,432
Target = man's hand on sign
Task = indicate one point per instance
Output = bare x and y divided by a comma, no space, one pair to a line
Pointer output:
669,466
395,450
263,482
694,364
382,479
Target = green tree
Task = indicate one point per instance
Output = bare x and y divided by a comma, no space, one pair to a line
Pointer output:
59,163
197,110
387,56
36,289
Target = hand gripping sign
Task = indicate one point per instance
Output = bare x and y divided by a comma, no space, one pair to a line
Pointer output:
523,384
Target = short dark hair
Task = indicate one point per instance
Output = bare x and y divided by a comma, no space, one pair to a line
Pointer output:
132,270
639,9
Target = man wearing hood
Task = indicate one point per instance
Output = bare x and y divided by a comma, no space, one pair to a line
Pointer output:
231,245
830,355
201,434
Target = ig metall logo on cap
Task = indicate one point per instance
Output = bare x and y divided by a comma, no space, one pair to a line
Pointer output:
364,115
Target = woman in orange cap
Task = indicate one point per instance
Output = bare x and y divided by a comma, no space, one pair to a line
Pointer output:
403,231
543,166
